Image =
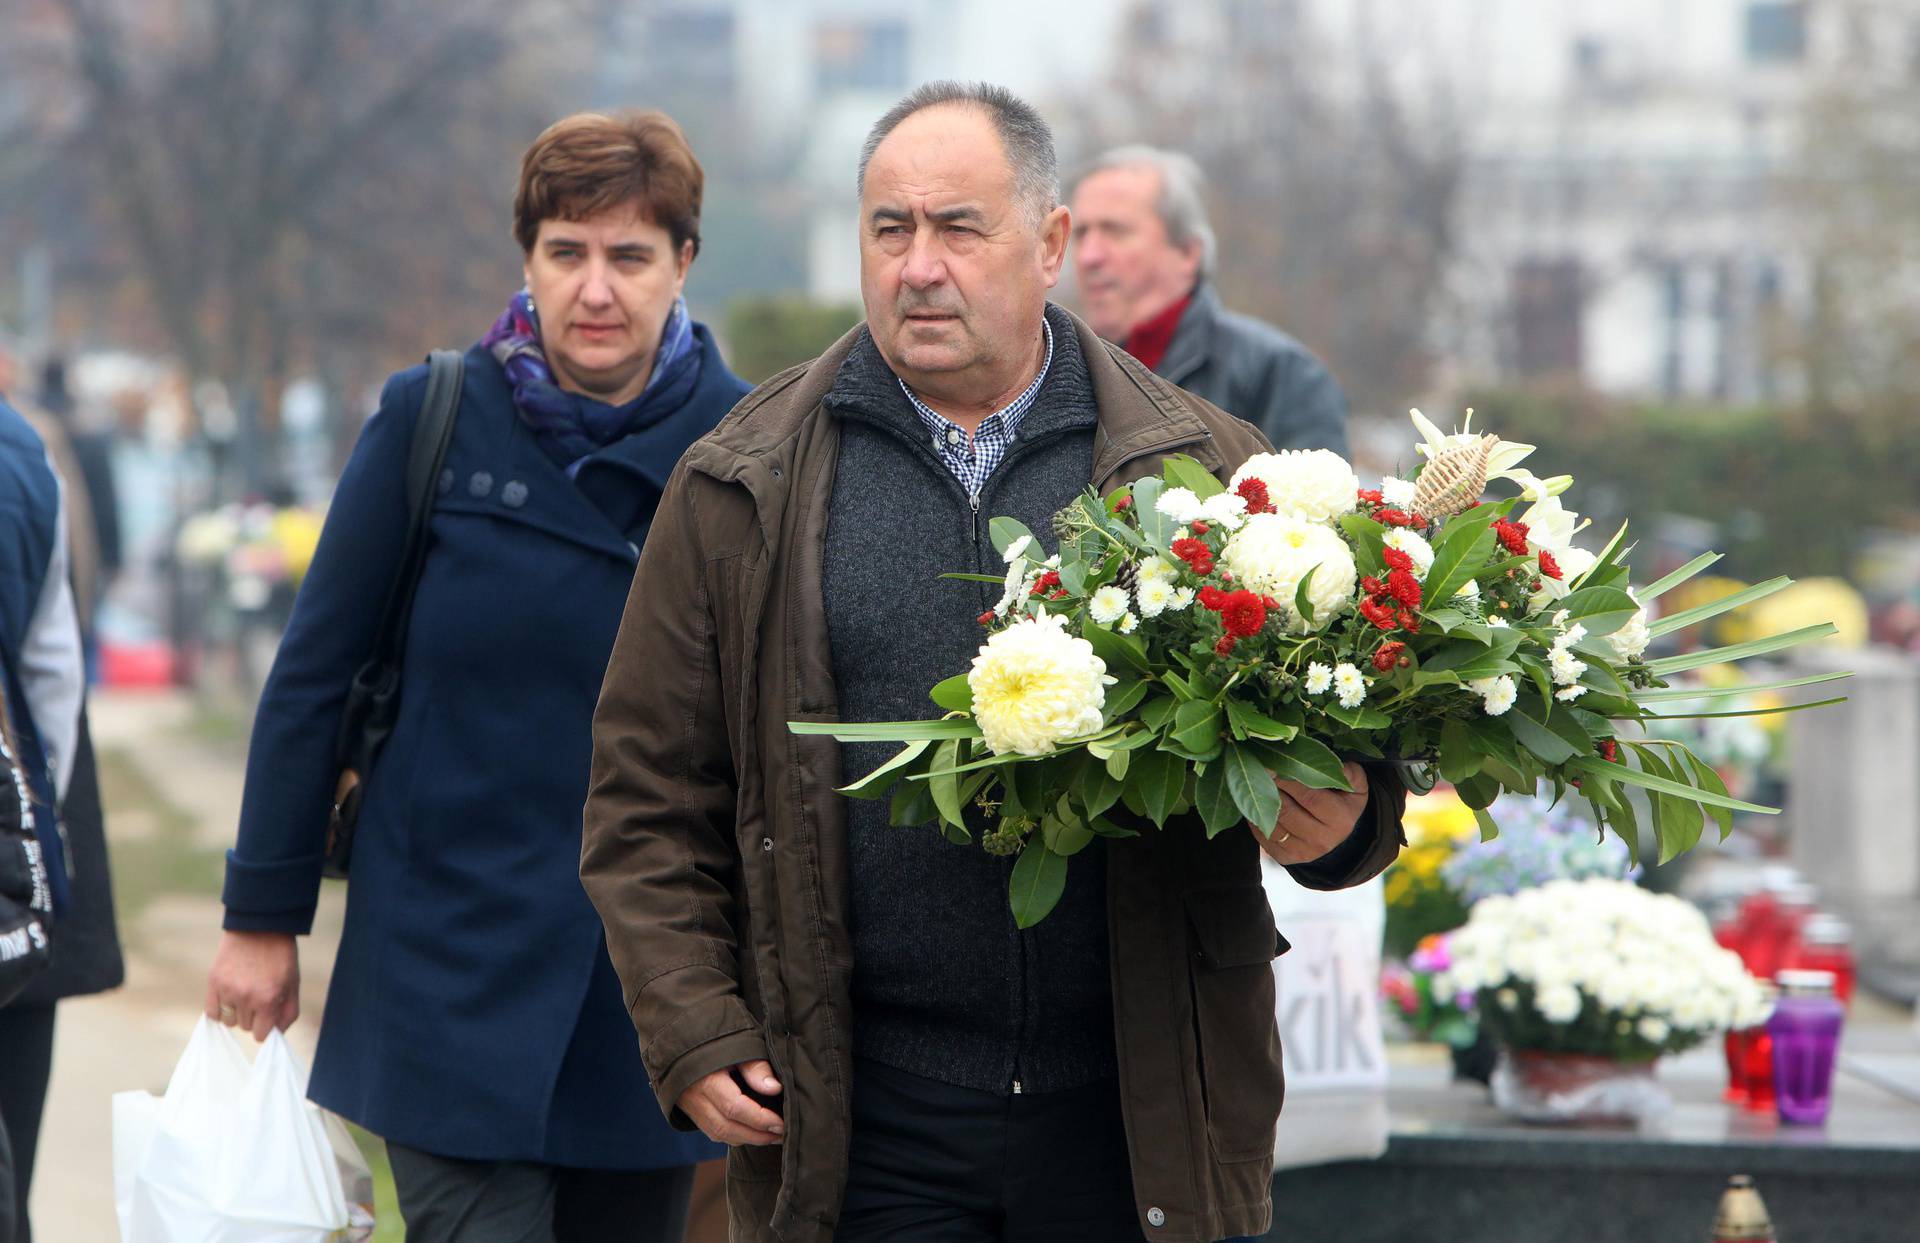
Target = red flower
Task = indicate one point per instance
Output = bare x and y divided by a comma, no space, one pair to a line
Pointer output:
1243,613
1388,657
1046,582
1199,528
1125,502
1254,492
1059,593
1548,565
1377,613
1513,535
1225,646
1409,623
1395,518
1395,559
1609,750
1196,554
985,618
1371,496
1404,587
1212,598
1373,586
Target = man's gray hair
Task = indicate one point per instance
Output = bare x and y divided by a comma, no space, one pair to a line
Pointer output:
1024,134
1182,205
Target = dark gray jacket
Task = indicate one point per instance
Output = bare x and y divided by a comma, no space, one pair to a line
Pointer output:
1254,371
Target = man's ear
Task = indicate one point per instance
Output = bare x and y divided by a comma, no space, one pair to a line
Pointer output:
1055,229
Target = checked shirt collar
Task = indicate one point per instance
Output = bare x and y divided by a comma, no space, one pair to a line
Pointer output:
973,459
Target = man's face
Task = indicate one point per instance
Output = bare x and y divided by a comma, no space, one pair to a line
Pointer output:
603,288
953,271
1127,267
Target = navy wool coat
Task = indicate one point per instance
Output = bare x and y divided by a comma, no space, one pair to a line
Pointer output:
473,1011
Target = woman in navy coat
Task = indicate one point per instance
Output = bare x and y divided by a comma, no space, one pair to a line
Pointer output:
473,1019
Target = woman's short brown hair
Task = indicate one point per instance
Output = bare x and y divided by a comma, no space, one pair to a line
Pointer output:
590,162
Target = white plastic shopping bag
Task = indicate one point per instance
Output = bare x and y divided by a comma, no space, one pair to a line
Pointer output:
235,1153
1329,1011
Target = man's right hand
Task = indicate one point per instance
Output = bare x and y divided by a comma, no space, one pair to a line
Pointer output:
254,983
728,1115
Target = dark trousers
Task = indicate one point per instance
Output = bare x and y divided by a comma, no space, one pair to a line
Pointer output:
445,1200
26,1063
938,1164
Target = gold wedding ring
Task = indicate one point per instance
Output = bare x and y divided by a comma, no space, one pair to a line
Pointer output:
228,1014
1284,838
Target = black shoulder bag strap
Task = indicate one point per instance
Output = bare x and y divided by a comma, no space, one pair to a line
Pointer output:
373,699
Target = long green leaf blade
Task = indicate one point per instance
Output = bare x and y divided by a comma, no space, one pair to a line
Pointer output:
1738,651
1702,612
1670,693
1620,772
1661,587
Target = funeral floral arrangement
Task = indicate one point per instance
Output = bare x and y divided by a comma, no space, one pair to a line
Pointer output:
1599,967
1187,641
1423,994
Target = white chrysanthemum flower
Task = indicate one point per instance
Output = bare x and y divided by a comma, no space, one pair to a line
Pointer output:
1572,635
1496,694
1180,504
1316,485
1564,665
1654,1029
1129,623
1414,546
1469,591
1497,622
1157,567
1319,678
1017,549
1631,639
1035,685
1558,1004
1107,605
1397,492
1225,510
1349,685
1567,694
1154,595
1273,552
1182,599
1053,562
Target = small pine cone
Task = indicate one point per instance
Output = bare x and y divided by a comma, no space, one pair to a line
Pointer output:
1127,575
1453,480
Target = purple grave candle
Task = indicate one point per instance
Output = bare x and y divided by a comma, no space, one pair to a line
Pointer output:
1806,1034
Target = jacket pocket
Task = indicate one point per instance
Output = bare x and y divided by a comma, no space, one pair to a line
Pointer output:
1234,944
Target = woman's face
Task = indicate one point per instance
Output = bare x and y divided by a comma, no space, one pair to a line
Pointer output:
603,287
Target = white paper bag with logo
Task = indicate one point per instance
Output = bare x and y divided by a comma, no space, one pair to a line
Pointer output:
235,1153
1329,1011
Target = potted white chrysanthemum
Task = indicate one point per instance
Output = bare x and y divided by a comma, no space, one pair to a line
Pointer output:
1585,984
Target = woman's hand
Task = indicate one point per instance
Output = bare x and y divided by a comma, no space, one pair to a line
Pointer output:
1313,822
254,983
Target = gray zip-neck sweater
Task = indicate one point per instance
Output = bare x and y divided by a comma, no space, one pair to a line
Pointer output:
944,985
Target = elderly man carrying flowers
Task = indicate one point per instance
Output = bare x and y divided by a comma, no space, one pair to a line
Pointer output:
848,1004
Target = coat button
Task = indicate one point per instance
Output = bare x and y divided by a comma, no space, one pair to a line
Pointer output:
514,495
480,484
446,482
1156,1217
766,844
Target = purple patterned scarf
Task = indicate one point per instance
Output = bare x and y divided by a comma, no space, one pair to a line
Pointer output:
572,427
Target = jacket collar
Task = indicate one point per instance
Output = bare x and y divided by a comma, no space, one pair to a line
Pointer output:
1192,341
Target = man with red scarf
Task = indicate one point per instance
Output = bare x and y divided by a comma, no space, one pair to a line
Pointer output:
1143,255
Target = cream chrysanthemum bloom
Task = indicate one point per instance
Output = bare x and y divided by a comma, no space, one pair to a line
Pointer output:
1108,605
1317,485
1034,686
1273,552
1154,594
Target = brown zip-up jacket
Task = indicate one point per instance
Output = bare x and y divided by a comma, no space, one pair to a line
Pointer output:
715,846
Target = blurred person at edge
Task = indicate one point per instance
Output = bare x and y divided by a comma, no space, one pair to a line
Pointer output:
474,1020
85,955
1144,256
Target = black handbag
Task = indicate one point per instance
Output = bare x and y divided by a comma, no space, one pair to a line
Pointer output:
373,698
26,899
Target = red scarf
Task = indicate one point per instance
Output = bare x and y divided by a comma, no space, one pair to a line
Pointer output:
1148,342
